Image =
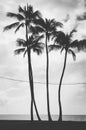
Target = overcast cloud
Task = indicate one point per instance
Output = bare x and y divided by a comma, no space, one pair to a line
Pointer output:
16,95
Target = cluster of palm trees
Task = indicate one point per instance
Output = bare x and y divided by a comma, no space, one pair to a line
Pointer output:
37,29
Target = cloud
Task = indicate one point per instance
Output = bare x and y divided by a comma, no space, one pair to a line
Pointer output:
69,3
65,3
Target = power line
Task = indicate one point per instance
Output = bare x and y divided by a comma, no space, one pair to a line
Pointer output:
8,78
19,80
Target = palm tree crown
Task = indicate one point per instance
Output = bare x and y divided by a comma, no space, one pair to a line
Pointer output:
64,42
47,26
24,16
34,43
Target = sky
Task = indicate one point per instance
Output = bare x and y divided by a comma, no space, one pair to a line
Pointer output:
14,95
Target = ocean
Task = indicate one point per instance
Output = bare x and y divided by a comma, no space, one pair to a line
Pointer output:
43,117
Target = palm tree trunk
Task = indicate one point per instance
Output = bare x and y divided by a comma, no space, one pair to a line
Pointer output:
47,82
32,86
59,91
31,81
29,74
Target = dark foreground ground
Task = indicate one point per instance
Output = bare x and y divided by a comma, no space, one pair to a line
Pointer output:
45,125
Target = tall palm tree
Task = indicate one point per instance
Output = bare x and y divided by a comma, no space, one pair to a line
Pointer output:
34,43
65,42
25,18
46,27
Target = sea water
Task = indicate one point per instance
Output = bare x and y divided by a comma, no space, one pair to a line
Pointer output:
43,117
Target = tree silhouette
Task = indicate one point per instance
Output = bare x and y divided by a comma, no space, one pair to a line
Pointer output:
25,18
37,46
66,43
46,27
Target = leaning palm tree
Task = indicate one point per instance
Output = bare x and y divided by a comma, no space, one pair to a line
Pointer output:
25,18
34,43
46,27
65,42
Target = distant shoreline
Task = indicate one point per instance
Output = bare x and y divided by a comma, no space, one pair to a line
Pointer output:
43,117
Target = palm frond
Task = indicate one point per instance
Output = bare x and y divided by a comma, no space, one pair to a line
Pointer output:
53,47
11,26
40,22
37,14
52,24
81,45
38,44
62,49
17,16
60,38
55,34
21,42
74,44
73,54
21,10
21,25
35,44
34,41
38,38
36,29
25,8
19,51
38,49
30,9
25,53
72,32
58,24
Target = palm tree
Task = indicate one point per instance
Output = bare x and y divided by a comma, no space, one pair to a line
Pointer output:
25,17
47,27
35,45
65,42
